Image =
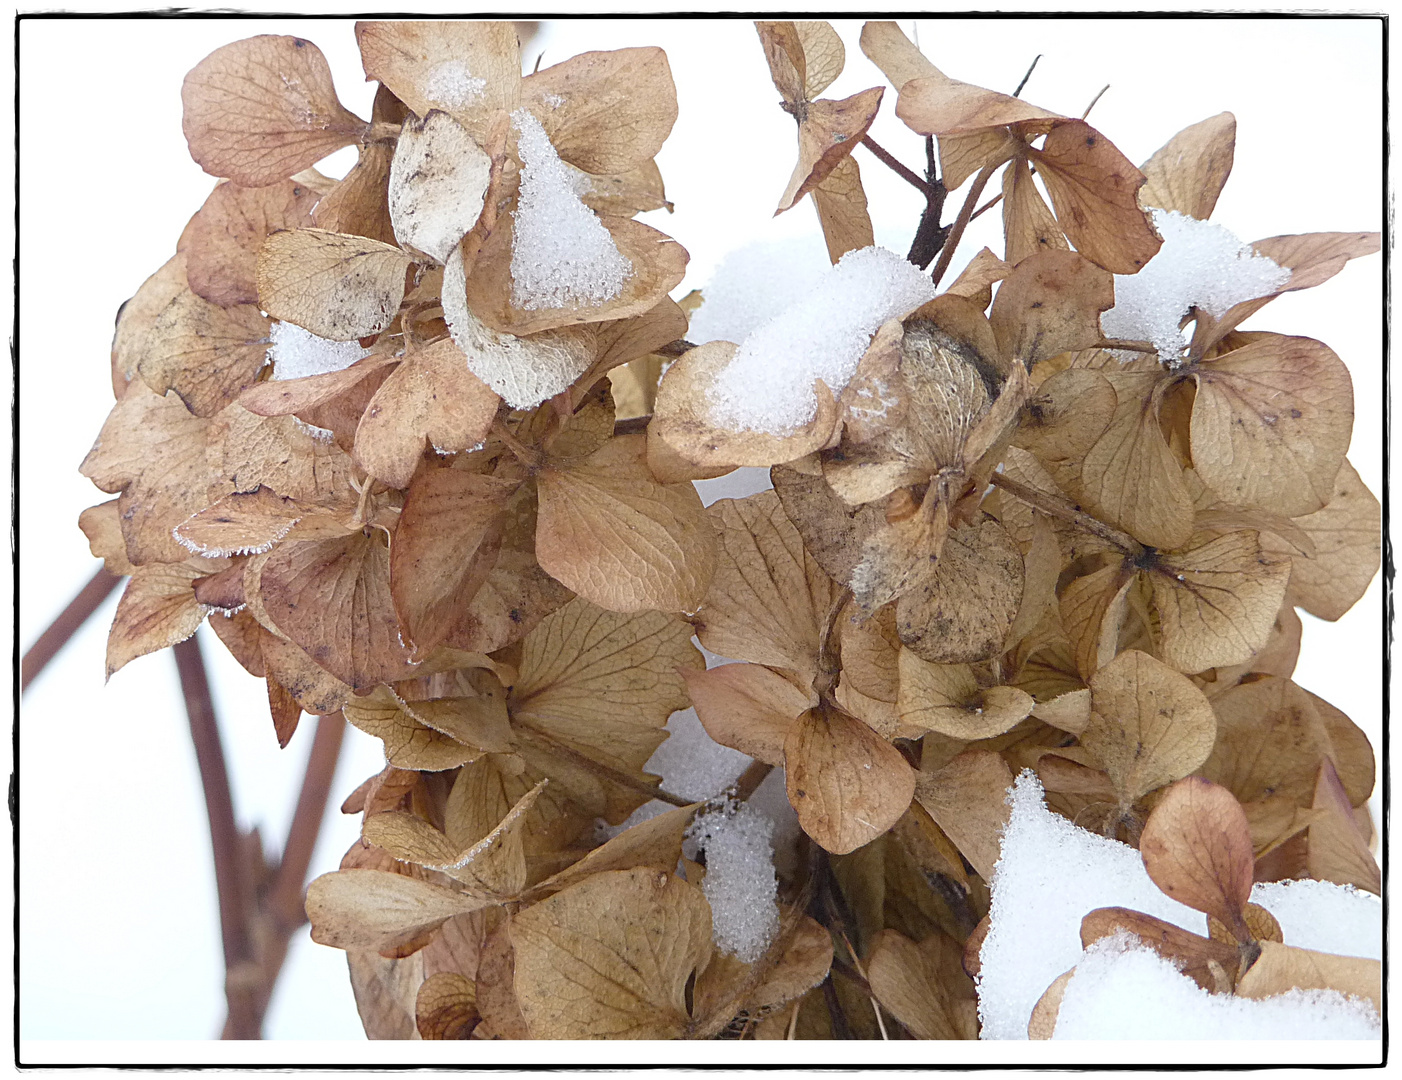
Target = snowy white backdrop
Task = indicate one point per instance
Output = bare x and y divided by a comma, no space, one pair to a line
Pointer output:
119,933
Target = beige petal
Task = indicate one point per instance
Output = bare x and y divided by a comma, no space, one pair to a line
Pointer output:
934,104
370,909
241,523
1051,303
136,317
841,202
262,109
338,287
975,282
1338,848
1188,172
409,743
747,707
158,608
827,134
656,843
912,981
102,525
359,204
1192,954
227,233
204,352
947,698
1029,226
966,797
438,181
1281,968
446,1007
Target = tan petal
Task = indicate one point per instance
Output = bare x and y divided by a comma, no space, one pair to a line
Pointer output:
1349,749
871,653
227,233
769,599
1346,535
847,784
262,109
152,450
409,743
827,134
975,282
966,797
204,352
158,608
1094,190
1042,1023
1271,423
1029,226
747,707
1282,968
1313,258
1217,603
1187,173
136,317
241,523
1338,849
1270,741
1093,611
437,184
798,961
370,909
359,204
611,956
947,698
285,397
446,1007
1150,725
431,396
618,107
656,843
102,525
833,532
623,194
1051,303
246,450
332,597
338,287
841,202
1192,954
658,265
960,610
934,104
438,65
910,981
1197,848
314,689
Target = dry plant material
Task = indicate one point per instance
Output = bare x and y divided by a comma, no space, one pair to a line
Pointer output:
453,503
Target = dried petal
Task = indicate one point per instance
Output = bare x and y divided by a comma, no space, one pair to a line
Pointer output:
1051,303
967,799
338,287
370,909
1188,172
747,707
158,608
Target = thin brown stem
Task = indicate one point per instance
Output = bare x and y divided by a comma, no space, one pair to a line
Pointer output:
751,779
989,205
1068,511
966,213
1094,100
230,873
1028,75
1127,346
285,896
528,456
69,621
888,159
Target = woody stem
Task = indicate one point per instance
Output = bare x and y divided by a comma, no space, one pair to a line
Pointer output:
908,175
1068,511
69,621
966,213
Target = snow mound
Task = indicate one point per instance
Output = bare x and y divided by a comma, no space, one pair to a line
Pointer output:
755,283
1325,917
740,884
1122,990
562,256
768,385
1200,265
296,353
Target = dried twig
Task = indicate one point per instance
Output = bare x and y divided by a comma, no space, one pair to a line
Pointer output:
961,223
78,612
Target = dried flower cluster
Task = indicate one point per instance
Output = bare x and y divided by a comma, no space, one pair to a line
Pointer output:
457,507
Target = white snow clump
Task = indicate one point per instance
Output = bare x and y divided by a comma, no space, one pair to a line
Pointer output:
296,353
452,86
739,884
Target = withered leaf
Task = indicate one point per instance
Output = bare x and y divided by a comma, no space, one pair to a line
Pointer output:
371,909
138,315
682,415
1188,172
605,112
102,525
833,532
152,450
966,798
1028,223
227,233
797,961
437,183
338,287
1271,423
1149,724
934,104
769,598
1281,968
1347,538
1042,1023
259,110
610,957
1092,610
747,707
1196,847
1338,848
286,397
961,610
614,535
1049,304
1217,603
332,598
471,70
623,194
912,981
158,608
948,699
847,784
431,396
446,1007
841,202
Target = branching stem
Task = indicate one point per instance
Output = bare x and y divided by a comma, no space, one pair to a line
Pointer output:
909,176
1068,511
966,213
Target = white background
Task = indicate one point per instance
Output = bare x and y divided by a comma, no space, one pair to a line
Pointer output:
119,929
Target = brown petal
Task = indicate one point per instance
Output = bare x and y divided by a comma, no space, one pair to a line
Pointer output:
1346,535
827,135
834,533
370,909
332,597
158,608
1197,848
747,708
435,65
966,797
359,204
947,698
1051,303
314,689
658,262
446,1007
1282,968
1271,423
338,287
1093,611
1094,189
246,450
611,956
935,104
847,784
446,543
960,610
408,743
624,194
1187,173
204,352
841,202
1338,849
286,397
102,525
262,109
225,236
241,523
911,981
1313,258
1042,1023
1270,741
136,317
431,396
618,107
1029,226
656,843
975,282
1192,954
1217,602
769,598
1150,725
614,535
